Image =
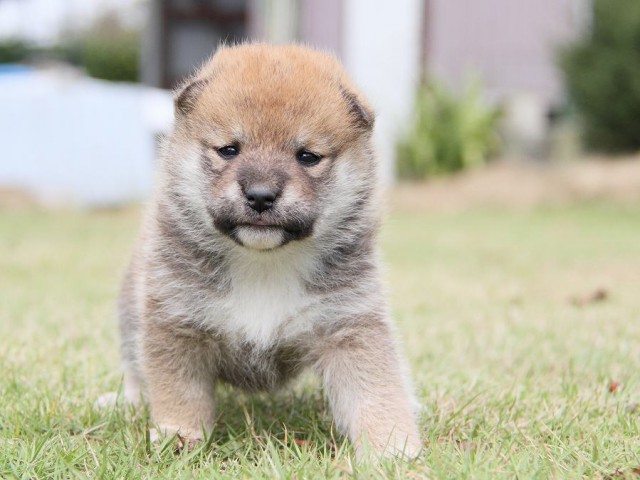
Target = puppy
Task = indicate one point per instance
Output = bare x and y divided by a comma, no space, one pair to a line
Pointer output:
257,257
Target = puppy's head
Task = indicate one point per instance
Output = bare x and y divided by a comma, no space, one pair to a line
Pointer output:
276,138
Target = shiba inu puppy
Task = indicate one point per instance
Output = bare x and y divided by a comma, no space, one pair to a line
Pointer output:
257,257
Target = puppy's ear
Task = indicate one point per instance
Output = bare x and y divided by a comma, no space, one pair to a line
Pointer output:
186,96
362,115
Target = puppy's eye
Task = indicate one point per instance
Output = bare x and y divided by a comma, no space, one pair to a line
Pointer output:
308,159
228,151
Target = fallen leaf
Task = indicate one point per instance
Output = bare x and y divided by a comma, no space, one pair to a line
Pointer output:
301,442
597,296
186,443
614,387
616,474
634,472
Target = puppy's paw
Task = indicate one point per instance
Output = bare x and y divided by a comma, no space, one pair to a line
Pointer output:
408,448
404,446
188,439
112,399
105,401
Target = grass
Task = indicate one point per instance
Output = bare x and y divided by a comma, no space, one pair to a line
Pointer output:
514,376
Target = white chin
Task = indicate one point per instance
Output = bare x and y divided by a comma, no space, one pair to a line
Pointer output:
260,238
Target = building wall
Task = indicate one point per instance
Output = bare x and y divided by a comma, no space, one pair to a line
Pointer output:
511,45
321,24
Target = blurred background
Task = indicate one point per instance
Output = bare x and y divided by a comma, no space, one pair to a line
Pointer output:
457,84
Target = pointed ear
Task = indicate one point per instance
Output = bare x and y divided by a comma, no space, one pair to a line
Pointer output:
186,96
362,115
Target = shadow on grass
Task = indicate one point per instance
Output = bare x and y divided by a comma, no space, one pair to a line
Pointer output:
292,422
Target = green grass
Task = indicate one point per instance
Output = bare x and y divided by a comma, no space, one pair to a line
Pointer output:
514,377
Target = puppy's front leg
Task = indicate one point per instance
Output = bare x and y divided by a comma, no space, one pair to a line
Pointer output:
178,366
368,389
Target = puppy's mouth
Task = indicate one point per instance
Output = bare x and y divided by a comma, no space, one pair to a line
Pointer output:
259,237
262,233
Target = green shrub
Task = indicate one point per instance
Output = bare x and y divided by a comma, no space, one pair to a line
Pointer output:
602,74
14,51
21,51
115,60
448,133
108,50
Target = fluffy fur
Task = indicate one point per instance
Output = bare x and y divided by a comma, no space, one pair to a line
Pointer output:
217,291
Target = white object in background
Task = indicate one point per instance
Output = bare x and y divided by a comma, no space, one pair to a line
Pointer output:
382,44
66,138
525,125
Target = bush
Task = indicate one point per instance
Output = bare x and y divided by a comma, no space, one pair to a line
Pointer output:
115,60
14,51
448,134
602,74
107,50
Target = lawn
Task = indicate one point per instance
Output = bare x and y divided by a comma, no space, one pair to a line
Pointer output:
522,328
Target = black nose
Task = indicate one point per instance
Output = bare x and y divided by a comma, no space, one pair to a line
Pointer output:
260,198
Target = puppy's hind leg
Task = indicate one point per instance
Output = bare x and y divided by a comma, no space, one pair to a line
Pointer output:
129,322
132,391
132,386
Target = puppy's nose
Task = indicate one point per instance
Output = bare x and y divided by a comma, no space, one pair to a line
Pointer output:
260,198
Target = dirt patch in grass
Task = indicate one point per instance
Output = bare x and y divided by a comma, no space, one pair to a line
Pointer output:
525,185
16,199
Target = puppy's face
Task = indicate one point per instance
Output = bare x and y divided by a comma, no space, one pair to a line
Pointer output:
272,126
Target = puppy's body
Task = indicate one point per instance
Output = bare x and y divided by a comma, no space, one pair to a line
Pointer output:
257,255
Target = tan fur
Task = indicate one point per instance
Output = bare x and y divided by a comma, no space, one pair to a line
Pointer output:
217,291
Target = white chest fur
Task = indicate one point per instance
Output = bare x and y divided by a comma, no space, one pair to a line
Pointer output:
267,297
